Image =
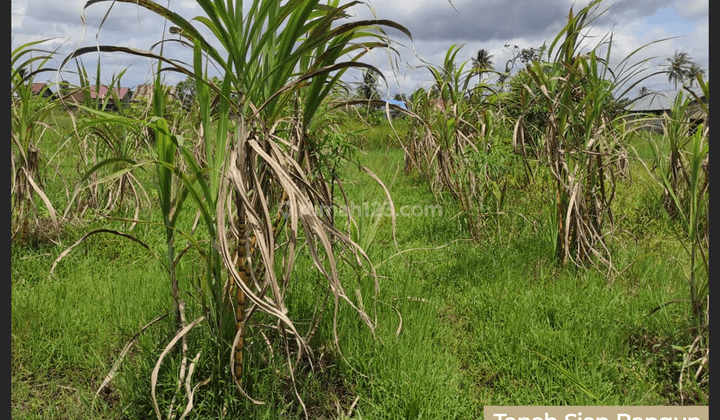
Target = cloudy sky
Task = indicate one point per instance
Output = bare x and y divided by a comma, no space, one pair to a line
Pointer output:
436,25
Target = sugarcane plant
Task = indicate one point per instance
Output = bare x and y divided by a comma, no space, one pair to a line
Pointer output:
251,182
104,147
454,142
681,167
445,131
29,124
582,140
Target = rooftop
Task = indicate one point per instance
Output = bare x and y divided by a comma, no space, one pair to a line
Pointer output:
660,101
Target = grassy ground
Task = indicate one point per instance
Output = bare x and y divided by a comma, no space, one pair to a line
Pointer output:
462,323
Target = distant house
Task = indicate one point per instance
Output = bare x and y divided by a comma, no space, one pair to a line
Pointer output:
103,93
660,104
42,89
394,112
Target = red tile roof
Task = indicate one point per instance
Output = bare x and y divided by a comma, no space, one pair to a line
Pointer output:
103,90
38,87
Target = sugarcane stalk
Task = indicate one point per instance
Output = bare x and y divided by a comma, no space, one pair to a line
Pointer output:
245,249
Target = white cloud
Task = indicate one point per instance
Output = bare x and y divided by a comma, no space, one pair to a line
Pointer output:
17,13
692,9
435,25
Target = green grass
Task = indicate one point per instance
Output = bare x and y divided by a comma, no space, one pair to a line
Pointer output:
488,322
494,307
67,330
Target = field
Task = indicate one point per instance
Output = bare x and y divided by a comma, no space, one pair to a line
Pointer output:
281,250
461,323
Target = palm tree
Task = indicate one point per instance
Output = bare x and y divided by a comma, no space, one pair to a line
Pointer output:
482,62
693,72
678,67
369,87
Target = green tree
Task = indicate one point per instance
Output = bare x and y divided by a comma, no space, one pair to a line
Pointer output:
678,67
369,87
525,55
693,71
186,91
482,62
64,87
